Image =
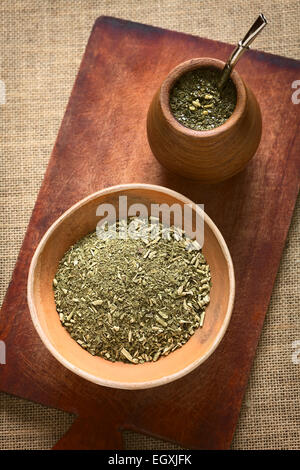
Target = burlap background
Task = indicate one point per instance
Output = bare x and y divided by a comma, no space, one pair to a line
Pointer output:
42,43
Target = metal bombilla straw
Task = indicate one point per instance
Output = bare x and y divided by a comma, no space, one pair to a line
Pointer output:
242,46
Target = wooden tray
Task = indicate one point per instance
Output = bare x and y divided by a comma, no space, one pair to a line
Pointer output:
102,142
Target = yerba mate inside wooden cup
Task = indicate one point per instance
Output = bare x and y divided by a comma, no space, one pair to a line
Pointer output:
212,155
80,220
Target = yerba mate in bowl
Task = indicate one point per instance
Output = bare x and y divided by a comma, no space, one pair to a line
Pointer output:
133,299
80,221
197,131
196,101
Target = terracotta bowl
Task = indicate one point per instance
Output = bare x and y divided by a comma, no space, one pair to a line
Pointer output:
81,219
208,156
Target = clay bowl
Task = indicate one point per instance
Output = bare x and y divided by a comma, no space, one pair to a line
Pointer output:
208,156
81,219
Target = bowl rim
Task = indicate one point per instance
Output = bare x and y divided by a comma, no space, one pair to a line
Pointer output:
112,383
187,66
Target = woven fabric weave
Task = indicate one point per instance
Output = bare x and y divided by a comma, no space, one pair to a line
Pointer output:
42,42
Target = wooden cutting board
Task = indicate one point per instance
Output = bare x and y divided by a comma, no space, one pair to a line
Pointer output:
102,142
